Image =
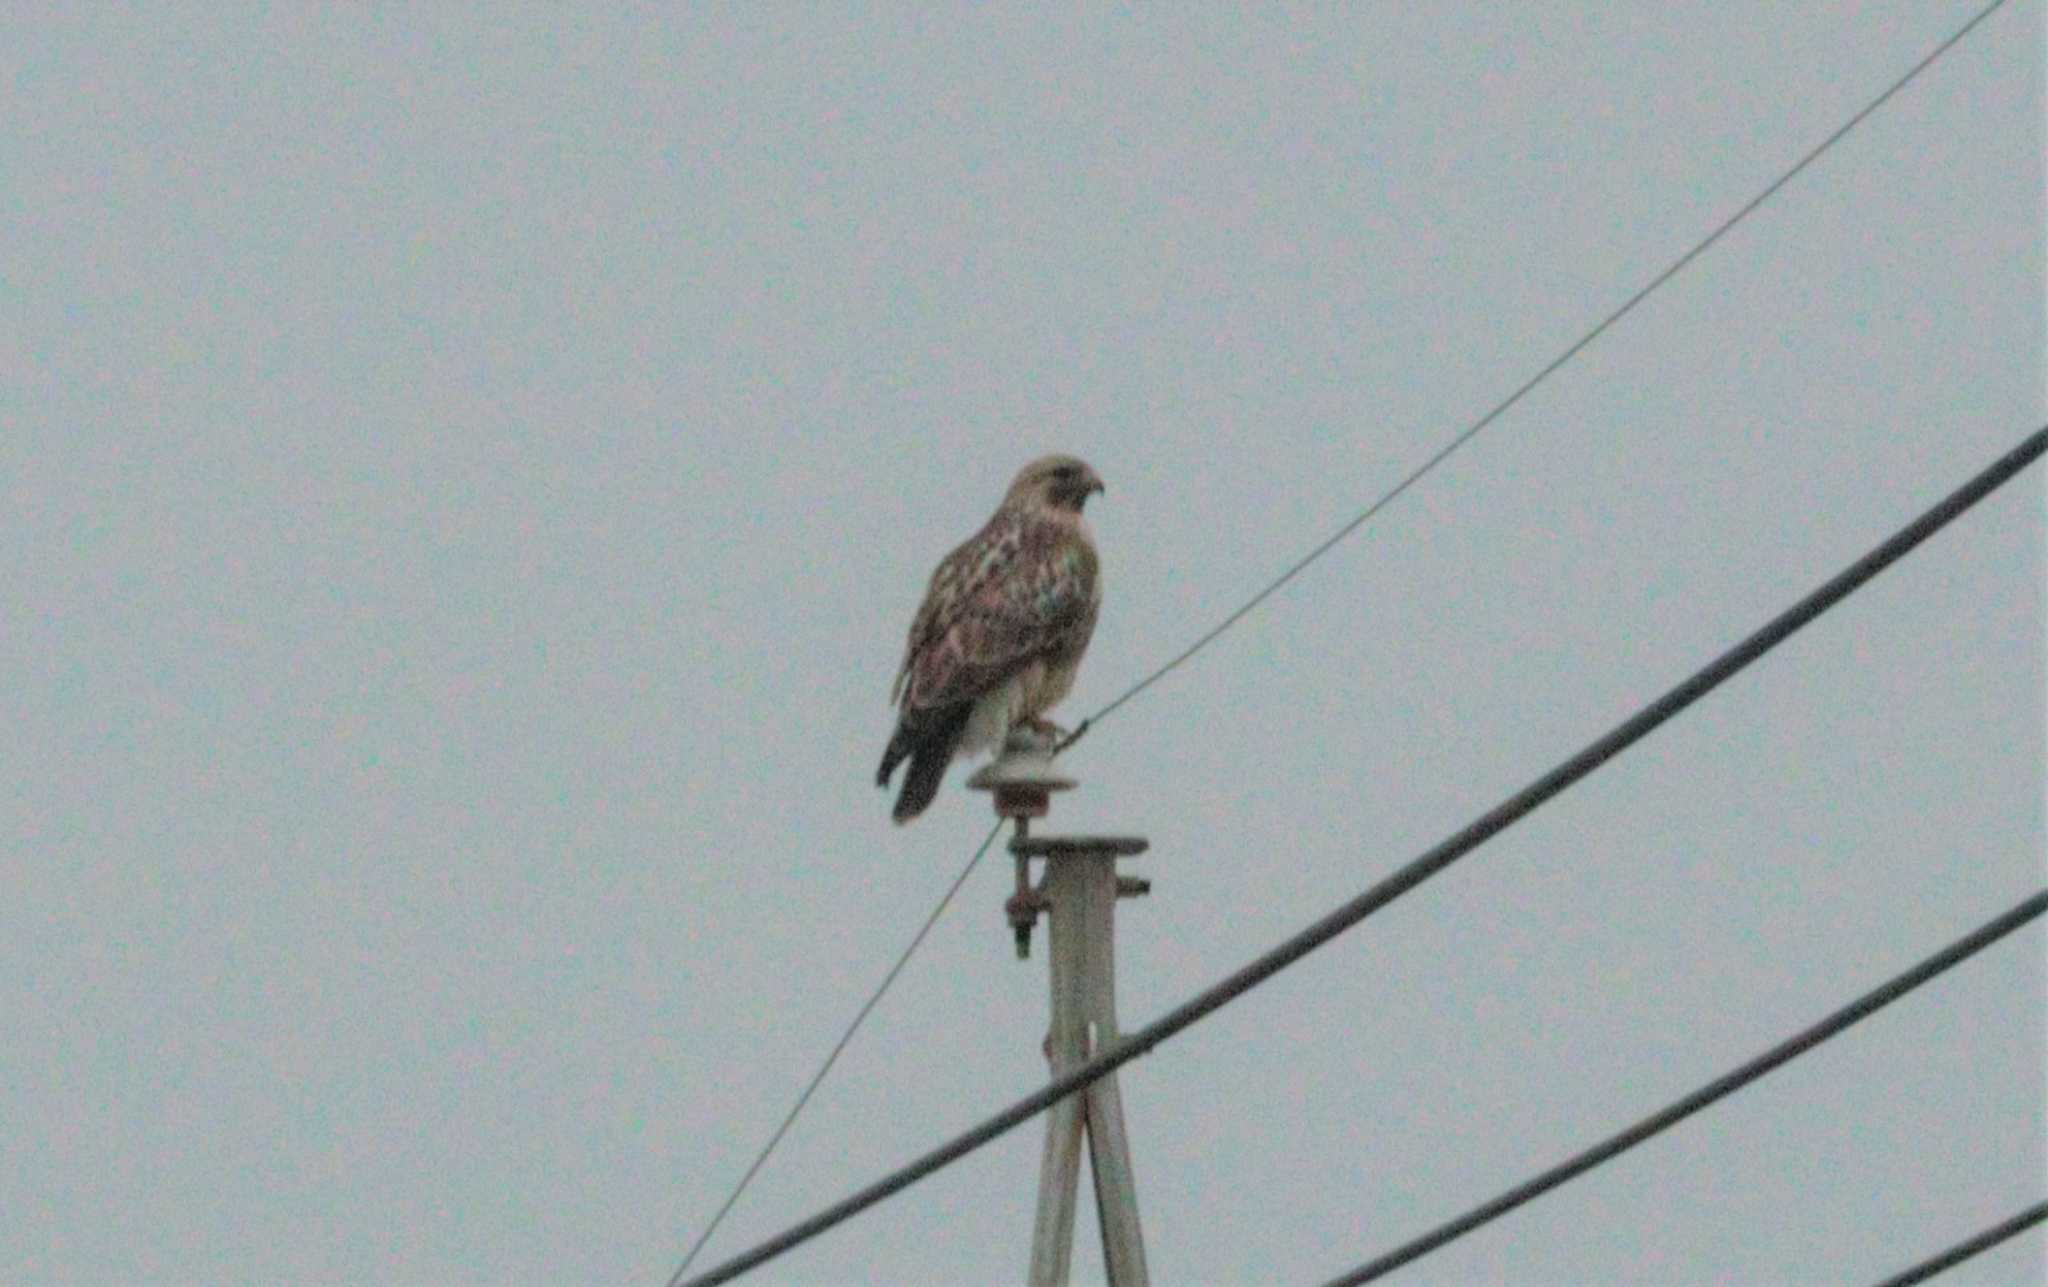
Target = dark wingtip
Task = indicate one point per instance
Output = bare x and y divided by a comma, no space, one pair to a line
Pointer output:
920,785
930,751
899,746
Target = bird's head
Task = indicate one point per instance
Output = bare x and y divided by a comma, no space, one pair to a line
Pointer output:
1059,482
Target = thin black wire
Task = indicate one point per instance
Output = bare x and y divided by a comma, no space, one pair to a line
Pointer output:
1302,564
844,1037
1664,1118
1526,386
1962,1251
1489,824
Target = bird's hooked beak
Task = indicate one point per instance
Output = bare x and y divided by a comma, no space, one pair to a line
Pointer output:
1068,484
1090,485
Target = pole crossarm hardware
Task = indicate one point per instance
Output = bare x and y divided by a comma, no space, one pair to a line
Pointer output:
1080,891
1077,893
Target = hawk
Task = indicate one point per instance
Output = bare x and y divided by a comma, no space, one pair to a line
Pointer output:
1001,632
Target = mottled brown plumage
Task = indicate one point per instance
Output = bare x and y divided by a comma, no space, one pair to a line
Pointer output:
1001,631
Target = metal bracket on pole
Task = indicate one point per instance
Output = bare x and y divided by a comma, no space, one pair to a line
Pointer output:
1078,891
1022,780
1080,888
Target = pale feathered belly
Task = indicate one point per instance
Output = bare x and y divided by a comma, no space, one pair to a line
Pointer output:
1025,695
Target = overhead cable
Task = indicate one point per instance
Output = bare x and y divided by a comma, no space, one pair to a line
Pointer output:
844,1037
1962,1251
1727,1084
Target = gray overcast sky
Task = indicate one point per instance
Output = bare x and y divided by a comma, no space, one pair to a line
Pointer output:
469,471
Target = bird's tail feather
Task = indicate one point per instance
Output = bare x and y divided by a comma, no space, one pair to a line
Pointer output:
920,784
930,750
901,743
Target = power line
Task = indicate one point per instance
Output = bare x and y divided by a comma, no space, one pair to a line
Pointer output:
1962,1251
1664,1118
1272,587
1523,389
874,998
1489,824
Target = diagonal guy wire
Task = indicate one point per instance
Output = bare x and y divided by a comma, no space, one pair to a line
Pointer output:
844,1037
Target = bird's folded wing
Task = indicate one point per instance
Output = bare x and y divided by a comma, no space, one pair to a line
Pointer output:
999,602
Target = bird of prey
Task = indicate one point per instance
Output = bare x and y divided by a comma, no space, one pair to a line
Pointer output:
1001,632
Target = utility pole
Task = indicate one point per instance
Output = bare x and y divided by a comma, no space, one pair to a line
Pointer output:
1078,890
